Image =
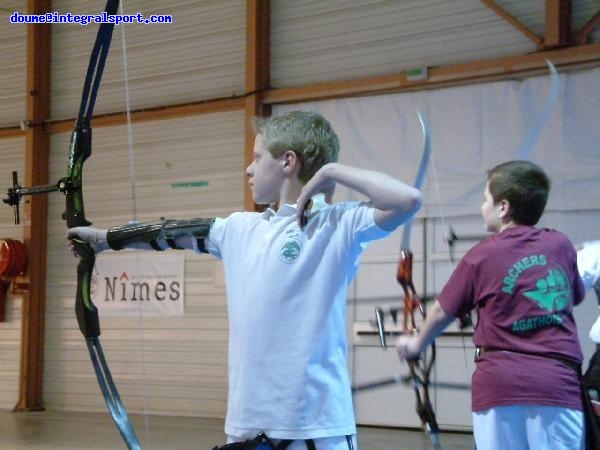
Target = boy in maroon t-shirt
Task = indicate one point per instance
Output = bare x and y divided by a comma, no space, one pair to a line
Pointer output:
523,282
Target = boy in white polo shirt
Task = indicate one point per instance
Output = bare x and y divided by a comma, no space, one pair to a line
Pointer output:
287,270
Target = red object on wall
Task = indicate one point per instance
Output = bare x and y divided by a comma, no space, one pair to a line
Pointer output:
13,262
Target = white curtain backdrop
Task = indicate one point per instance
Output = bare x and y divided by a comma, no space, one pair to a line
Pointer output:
473,128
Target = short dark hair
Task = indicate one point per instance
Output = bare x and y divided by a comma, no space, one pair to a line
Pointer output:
307,134
526,187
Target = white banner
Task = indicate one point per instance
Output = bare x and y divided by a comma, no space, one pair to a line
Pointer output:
129,283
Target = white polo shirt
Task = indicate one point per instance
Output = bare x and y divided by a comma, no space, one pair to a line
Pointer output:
286,292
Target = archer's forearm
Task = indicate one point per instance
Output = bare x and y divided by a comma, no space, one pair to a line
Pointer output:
384,192
161,235
395,202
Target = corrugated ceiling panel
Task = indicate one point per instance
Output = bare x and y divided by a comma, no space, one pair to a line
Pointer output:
13,41
583,11
11,158
201,55
179,367
531,13
316,41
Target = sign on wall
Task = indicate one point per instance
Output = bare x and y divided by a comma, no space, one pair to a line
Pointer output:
130,283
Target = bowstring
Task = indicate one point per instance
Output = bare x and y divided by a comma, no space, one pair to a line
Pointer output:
436,187
134,218
132,192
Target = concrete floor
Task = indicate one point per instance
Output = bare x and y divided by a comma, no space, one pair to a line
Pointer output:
96,431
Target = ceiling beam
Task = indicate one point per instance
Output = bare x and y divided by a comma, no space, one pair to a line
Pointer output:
582,36
537,40
558,24
258,78
11,132
437,77
150,114
568,58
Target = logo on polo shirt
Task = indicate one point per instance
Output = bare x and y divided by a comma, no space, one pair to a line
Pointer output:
553,294
290,251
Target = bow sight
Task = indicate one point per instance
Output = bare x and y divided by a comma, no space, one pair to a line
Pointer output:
16,192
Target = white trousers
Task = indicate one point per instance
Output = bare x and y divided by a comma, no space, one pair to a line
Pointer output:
529,428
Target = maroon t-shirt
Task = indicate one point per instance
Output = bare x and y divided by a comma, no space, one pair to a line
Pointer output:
523,284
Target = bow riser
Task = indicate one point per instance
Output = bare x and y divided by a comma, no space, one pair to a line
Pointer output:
80,149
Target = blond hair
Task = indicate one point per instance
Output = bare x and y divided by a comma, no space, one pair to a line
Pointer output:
309,135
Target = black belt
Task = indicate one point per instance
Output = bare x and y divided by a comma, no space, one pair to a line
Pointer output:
573,365
262,438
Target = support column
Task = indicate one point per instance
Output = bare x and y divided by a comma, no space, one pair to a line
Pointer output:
35,214
558,23
258,76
